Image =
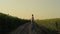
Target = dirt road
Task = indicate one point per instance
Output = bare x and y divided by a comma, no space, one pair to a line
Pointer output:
28,29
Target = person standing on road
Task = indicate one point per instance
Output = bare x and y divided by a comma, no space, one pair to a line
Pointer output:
32,21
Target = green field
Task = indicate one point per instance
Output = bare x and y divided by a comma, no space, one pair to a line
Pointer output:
52,24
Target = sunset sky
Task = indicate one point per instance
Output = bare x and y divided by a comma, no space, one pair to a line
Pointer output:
42,9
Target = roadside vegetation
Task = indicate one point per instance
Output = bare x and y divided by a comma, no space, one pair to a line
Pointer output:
51,24
9,23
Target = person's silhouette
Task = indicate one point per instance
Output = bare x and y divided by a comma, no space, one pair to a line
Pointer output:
32,21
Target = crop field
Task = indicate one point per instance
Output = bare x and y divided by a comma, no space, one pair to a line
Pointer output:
52,24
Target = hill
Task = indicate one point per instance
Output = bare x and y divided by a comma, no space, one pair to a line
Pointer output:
9,23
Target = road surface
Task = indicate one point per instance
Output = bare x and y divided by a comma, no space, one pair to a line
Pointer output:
28,29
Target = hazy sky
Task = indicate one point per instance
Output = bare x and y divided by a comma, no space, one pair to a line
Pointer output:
42,9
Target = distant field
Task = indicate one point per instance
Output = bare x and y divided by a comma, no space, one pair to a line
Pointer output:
52,24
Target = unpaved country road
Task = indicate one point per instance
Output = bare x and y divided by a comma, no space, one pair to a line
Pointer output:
27,29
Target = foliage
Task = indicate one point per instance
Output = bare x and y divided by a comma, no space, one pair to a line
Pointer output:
9,23
52,24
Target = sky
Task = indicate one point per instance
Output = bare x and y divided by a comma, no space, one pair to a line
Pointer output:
42,9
